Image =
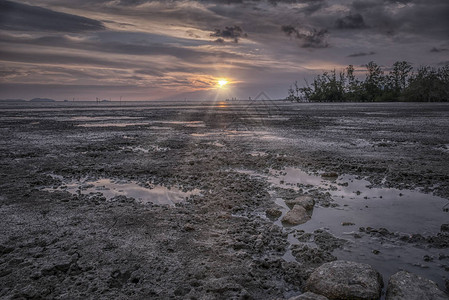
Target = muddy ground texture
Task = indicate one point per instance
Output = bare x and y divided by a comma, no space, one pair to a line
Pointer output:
217,244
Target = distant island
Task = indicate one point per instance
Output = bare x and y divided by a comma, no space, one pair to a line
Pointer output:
42,100
12,100
32,100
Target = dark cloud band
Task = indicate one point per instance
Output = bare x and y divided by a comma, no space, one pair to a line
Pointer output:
22,17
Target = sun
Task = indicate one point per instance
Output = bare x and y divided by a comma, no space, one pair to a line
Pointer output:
222,82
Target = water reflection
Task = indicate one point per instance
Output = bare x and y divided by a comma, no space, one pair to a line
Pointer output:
110,188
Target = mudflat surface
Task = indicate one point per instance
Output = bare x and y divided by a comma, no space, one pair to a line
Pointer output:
185,200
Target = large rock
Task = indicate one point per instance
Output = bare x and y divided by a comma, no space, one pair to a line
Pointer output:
309,296
346,280
305,201
298,215
404,285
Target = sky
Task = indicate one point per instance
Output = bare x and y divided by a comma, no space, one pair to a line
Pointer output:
181,49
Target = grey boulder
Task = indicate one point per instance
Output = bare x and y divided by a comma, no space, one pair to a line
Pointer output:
305,201
298,215
345,280
404,285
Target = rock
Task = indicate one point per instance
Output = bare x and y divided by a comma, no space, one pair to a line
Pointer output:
305,201
444,228
273,213
345,280
189,227
326,241
347,224
329,175
311,256
309,296
298,215
5,250
56,269
405,285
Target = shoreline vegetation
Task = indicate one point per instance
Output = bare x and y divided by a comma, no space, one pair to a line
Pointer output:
399,83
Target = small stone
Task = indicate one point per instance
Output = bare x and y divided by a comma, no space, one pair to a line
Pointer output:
427,258
305,201
298,215
347,224
189,227
273,213
329,175
405,285
376,251
444,228
309,296
345,280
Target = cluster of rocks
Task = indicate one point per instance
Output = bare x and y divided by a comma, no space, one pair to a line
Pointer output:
338,279
301,210
439,240
350,280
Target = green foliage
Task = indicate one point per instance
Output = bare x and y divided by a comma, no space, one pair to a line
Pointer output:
428,84
399,84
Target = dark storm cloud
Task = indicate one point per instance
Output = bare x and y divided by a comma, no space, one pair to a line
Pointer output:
112,47
311,38
362,54
315,39
220,41
289,30
426,18
223,2
354,21
233,33
22,17
63,59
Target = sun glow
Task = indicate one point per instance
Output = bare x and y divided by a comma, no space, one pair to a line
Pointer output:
222,82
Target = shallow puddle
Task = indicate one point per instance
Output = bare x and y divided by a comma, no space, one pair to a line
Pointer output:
160,128
207,134
185,123
404,212
407,211
111,188
262,135
216,144
102,118
115,124
258,153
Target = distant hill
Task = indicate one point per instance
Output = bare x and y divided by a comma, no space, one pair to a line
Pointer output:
42,100
12,100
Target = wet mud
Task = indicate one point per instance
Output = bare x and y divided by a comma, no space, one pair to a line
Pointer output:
186,200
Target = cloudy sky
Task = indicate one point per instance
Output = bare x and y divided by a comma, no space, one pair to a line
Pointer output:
177,49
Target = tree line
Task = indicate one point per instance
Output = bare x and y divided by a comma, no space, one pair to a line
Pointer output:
400,83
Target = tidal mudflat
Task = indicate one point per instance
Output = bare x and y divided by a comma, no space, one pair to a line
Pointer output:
188,200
